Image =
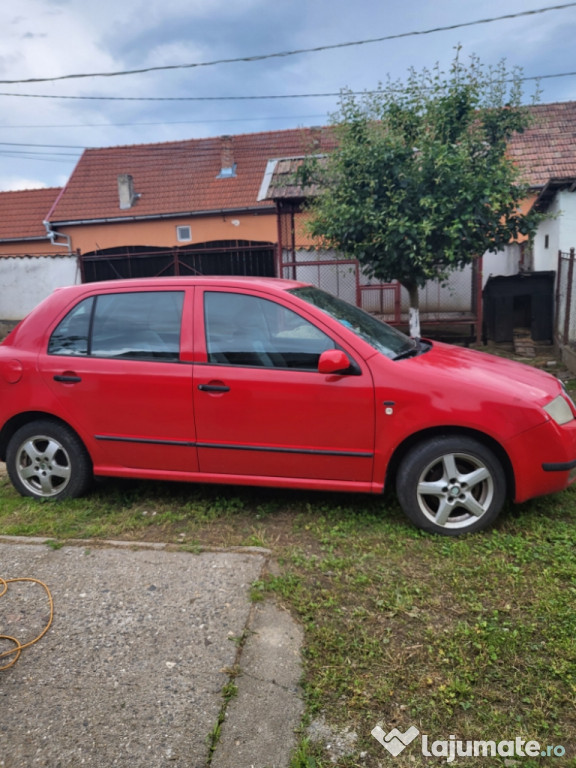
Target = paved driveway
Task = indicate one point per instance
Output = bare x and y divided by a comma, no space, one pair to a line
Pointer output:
132,670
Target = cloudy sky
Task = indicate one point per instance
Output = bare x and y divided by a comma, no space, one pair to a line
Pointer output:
42,133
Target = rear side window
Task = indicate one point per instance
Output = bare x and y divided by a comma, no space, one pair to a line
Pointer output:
141,326
71,334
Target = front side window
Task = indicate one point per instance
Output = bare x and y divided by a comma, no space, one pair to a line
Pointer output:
141,325
383,337
246,330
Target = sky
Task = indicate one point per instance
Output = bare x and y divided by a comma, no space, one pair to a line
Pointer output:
43,131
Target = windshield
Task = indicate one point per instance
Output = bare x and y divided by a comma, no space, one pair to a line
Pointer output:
379,335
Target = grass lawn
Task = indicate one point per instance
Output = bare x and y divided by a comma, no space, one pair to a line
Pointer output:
473,637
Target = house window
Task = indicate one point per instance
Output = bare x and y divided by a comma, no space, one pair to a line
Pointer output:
546,241
184,234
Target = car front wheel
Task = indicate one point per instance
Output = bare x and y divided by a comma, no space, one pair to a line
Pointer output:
47,460
451,485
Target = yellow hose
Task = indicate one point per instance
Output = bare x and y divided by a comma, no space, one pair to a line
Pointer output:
18,646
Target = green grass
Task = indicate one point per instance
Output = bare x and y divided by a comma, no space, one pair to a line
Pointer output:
473,637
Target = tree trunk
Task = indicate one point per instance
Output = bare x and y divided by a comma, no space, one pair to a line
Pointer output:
414,310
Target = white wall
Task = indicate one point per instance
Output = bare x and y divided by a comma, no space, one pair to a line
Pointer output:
556,233
560,229
547,239
26,280
567,206
506,262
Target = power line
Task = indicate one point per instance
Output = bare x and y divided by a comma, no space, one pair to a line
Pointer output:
37,157
31,152
44,146
173,98
296,52
328,94
168,122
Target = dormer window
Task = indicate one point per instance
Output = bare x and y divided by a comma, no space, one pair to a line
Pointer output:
229,172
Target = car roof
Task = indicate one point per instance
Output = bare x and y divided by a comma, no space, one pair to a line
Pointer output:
228,281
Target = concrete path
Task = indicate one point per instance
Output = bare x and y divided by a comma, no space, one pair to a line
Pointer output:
132,671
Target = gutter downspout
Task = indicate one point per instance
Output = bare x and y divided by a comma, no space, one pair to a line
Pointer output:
52,235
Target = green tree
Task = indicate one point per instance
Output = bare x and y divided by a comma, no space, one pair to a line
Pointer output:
420,183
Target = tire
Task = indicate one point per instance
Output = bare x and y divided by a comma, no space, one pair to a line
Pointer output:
451,485
46,460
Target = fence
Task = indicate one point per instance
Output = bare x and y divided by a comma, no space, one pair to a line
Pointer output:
456,301
565,321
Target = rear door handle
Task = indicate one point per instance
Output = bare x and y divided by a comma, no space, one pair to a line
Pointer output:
68,379
213,388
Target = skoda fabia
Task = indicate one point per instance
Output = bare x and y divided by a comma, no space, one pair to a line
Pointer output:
273,383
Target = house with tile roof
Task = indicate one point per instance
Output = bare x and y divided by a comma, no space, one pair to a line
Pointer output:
227,205
194,204
177,207
546,153
546,156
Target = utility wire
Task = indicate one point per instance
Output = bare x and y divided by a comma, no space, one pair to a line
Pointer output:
48,158
329,94
169,122
45,146
296,52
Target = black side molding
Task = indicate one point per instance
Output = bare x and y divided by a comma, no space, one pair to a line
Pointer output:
559,466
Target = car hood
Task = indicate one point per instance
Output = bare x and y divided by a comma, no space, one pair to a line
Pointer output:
479,370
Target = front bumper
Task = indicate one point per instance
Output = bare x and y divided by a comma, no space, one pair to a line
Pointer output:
543,459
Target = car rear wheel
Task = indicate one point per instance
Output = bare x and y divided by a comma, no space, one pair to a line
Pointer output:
47,460
451,485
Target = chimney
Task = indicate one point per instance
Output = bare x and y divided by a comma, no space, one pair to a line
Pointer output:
126,195
227,164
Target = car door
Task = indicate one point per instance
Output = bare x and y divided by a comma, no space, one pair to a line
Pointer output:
262,408
114,366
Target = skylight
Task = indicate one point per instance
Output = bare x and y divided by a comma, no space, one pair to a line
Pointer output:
228,172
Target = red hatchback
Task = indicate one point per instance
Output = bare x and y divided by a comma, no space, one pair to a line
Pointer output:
276,383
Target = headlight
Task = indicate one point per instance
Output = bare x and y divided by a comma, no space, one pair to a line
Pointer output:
559,410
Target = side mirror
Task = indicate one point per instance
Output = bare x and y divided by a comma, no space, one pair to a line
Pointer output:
333,361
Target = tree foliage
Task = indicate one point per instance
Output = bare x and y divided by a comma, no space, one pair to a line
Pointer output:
420,183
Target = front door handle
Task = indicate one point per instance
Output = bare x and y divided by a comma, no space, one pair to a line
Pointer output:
213,388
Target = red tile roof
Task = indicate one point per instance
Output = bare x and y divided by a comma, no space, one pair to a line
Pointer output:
22,213
547,150
182,176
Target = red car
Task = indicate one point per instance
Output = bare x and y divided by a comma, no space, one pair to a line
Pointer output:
274,383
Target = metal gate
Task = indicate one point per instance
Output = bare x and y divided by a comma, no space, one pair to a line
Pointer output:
226,257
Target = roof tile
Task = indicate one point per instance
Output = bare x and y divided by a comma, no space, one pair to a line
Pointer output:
546,150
